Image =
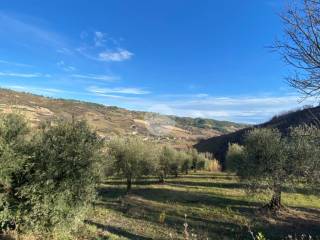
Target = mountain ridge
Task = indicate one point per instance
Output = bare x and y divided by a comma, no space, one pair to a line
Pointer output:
111,120
218,145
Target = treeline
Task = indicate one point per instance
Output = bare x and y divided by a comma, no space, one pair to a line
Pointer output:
48,177
271,162
133,158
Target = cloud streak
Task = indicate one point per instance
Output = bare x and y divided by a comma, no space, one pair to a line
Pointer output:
119,90
14,25
249,109
36,90
118,55
106,78
23,75
17,64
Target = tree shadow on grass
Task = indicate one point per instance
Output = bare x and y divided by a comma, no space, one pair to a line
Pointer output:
208,184
309,210
118,231
6,237
303,190
108,196
293,225
139,208
192,198
138,182
210,176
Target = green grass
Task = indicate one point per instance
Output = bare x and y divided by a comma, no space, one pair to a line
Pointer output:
216,206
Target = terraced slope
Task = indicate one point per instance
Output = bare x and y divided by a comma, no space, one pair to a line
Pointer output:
111,121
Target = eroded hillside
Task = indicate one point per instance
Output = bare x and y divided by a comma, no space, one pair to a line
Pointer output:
111,121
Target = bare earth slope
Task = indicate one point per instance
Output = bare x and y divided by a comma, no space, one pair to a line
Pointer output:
111,121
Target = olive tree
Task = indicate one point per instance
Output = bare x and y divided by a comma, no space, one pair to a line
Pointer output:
304,152
166,162
234,157
50,180
186,161
132,158
13,133
271,161
265,162
195,157
61,175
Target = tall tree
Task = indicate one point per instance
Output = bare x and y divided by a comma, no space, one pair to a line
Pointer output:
132,158
271,161
300,45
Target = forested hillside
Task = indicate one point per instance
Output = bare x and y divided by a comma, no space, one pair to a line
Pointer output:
218,145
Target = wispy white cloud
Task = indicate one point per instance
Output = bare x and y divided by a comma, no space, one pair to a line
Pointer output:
23,75
99,38
65,51
17,64
251,109
99,46
118,55
68,68
25,27
119,90
36,90
248,109
106,78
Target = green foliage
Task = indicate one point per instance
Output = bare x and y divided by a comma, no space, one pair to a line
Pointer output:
304,152
51,181
186,162
131,158
194,158
166,163
234,157
271,161
13,130
260,236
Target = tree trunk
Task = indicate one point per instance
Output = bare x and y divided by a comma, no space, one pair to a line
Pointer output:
275,203
129,184
161,178
187,171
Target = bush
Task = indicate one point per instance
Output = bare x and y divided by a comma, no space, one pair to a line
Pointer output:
212,165
13,133
54,179
234,157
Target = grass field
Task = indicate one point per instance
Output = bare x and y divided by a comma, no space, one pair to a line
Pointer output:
215,204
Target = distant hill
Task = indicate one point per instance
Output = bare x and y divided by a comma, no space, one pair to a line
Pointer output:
218,145
111,121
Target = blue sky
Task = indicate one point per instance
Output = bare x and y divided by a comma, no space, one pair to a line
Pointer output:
185,57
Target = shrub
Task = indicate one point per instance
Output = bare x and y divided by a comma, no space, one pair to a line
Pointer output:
55,179
212,165
62,174
234,157
13,130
